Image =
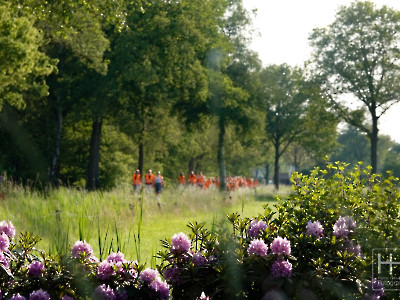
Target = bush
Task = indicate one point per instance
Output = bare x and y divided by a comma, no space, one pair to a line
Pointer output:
315,244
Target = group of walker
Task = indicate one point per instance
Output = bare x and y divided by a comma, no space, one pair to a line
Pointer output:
151,182
156,182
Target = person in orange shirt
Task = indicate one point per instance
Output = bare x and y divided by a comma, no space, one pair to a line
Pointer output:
181,179
136,181
200,180
192,178
149,180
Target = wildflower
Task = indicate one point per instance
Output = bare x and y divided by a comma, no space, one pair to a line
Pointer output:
180,243
171,274
81,248
343,227
281,268
7,228
257,247
104,292
4,260
161,287
280,246
17,297
148,275
39,295
255,228
314,229
66,297
204,297
199,259
4,242
105,270
36,269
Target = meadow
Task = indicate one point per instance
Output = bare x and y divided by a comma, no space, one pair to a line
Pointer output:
119,220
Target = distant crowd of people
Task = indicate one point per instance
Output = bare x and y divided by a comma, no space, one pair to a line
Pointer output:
156,182
232,183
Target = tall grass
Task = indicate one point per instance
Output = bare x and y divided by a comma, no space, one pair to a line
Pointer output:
120,220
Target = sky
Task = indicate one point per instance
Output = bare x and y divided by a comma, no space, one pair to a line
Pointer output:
281,35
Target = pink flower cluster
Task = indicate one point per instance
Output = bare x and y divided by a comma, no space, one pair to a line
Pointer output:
81,248
7,228
180,243
258,248
280,246
314,229
36,295
113,265
255,228
343,227
153,279
281,268
36,269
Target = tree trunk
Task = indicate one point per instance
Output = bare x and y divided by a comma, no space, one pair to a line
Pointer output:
191,165
276,168
141,158
220,154
374,144
266,173
54,168
92,181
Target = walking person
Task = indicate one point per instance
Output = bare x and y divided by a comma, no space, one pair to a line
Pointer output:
158,185
192,179
136,181
149,181
181,179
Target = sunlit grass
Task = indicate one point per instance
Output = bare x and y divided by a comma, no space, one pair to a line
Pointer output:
110,221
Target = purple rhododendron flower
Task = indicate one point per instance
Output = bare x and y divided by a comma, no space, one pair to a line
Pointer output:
180,243
39,295
161,287
7,228
4,242
116,257
281,268
104,292
199,259
4,260
258,248
81,247
280,246
66,297
36,269
171,274
343,227
17,297
314,229
105,270
148,275
255,228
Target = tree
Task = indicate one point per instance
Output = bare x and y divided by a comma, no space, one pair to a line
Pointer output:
295,112
358,55
23,64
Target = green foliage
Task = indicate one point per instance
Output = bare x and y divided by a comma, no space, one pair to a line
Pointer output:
23,63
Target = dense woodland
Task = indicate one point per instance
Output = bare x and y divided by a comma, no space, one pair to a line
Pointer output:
92,90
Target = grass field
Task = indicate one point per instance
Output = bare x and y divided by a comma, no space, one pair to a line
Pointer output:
121,220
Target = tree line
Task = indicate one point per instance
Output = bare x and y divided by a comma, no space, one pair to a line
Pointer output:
90,92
